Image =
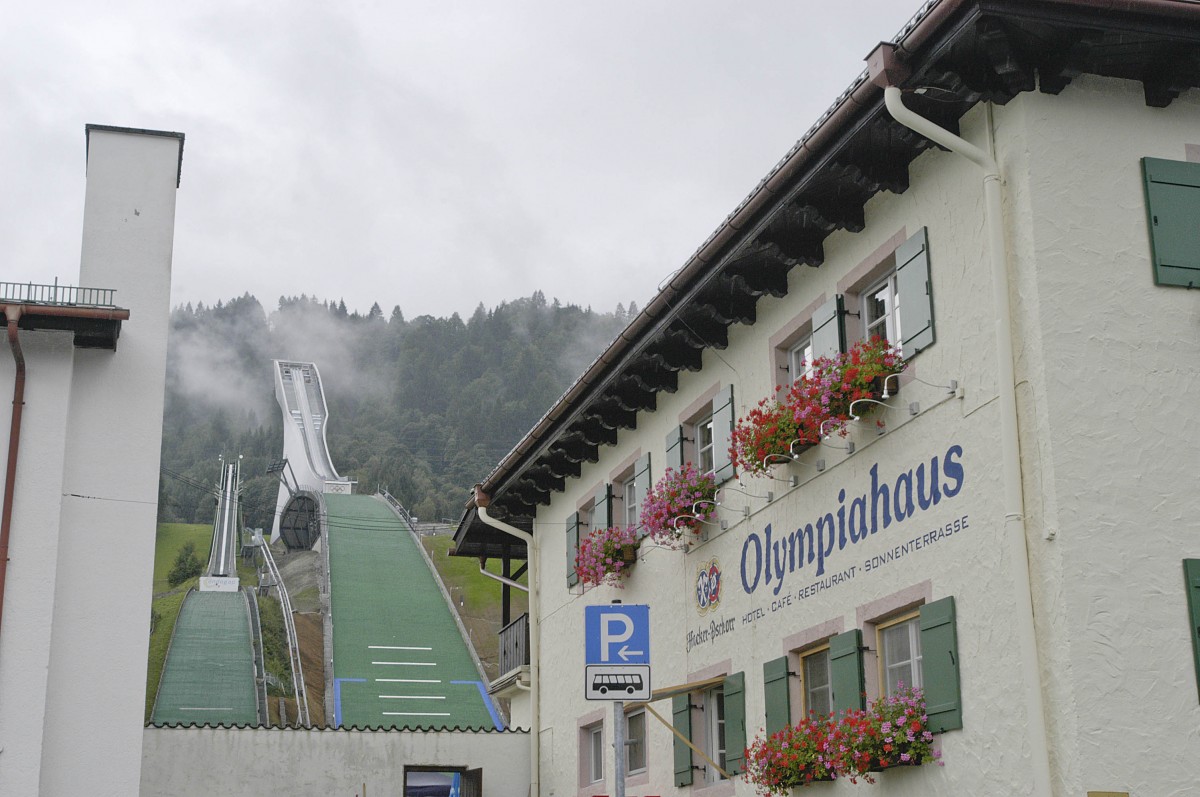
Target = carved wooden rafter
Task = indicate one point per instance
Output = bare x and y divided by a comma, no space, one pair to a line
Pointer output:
1063,63
609,414
648,375
559,464
727,305
509,505
675,353
688,335
530,492
703,325
870,178
594,432
545,478
1173,72
577,449
628,395
1014,73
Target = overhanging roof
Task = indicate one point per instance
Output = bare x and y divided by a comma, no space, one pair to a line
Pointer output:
960,52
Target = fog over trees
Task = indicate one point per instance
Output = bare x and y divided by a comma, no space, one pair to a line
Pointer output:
424,407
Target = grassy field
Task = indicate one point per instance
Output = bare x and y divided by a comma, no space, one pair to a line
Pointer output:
477,599
170,538
480,596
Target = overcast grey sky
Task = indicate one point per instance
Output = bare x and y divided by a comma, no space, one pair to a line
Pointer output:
427,154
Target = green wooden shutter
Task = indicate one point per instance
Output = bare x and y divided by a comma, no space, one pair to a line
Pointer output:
723,418
641,485
675,448
681,718
735,722
1173,210
846,670
602,508
1191,575
915,290
572,548
829,329
775,693
939,666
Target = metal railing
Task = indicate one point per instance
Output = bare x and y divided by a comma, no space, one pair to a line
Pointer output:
409,519
293,642
260,667
514,644
35,293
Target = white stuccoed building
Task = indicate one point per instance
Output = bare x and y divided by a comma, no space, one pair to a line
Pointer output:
1036,272
82,481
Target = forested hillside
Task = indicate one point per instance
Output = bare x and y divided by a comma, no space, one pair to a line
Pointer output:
424,407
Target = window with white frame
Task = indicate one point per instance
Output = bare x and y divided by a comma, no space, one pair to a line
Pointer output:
818,686
714,713
703,435
800,359
593,744
629,502
900,653
881,310
635,742
868,303
917,647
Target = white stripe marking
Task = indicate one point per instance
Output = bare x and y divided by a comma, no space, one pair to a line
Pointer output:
202,708
393,647
409,680
408,663
416,713
413,697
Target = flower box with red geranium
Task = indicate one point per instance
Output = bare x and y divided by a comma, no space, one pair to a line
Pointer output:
823,401
856,744
605,556
900,734
790,758
768,435
677,505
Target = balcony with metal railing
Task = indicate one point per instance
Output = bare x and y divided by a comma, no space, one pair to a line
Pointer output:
87,312
514,645
55,294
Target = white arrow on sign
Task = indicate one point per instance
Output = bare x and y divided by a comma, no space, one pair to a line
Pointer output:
625,653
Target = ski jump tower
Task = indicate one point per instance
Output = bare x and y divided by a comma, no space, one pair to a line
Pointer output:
306,472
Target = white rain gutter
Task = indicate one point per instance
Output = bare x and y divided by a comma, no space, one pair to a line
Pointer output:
535,637
506,581
1014,517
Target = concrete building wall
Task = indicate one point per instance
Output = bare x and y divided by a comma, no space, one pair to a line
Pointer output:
211,762
73,652
1106,365
1111,388
33,552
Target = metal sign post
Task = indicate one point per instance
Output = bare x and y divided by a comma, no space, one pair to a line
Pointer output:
619,748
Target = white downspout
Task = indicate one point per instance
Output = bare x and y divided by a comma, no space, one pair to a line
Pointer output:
535,643
1014,517
506,581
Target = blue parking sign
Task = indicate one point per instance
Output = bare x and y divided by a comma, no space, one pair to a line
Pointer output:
617,634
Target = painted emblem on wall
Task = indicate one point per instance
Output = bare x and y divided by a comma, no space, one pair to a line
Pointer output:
708,586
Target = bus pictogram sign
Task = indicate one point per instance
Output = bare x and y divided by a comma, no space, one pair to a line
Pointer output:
617,682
